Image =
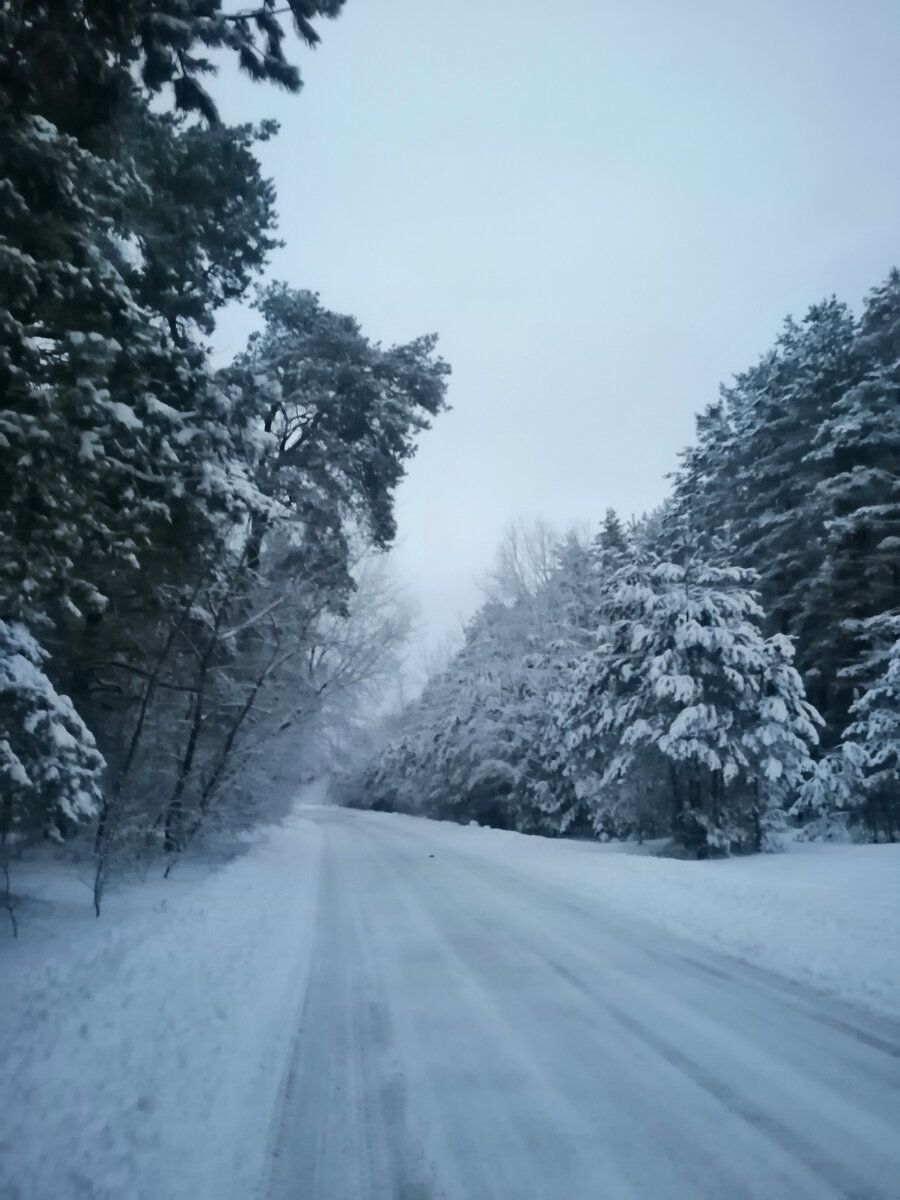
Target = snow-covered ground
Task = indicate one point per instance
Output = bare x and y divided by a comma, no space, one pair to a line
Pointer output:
141,1053
155,1052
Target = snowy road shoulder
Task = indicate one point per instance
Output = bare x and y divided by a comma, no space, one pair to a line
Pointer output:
146,1051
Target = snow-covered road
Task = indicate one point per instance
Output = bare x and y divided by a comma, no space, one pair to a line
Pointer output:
472,1032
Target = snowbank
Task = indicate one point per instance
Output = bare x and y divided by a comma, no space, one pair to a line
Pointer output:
142,1053
826,915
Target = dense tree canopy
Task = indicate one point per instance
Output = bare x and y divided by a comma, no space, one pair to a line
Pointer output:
186,585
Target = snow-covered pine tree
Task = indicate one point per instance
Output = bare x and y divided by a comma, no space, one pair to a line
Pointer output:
611,545
685,708
829,801
873,746
750,487
477,739
332,419
112,436
117,224
121,232
536,636
573,589
320,423
858,449
203,226
50,768
198,230
77,59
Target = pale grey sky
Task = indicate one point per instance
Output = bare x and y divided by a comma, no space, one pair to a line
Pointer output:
603,207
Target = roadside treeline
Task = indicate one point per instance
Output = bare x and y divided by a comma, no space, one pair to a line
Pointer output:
724,666
187,574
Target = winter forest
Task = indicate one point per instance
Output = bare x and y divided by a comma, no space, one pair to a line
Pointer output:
716,670
194,607
190,584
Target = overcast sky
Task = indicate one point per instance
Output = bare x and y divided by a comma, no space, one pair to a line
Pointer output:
604,208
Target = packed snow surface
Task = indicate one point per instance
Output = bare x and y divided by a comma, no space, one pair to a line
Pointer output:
366,1005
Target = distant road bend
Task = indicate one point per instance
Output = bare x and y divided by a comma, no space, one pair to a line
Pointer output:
470,1034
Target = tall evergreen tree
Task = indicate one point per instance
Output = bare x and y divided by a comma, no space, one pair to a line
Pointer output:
50,768
333,419
873,746
122,231
750,488
857,451
684,697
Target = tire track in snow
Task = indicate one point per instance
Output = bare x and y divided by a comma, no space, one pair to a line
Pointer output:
341,1127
